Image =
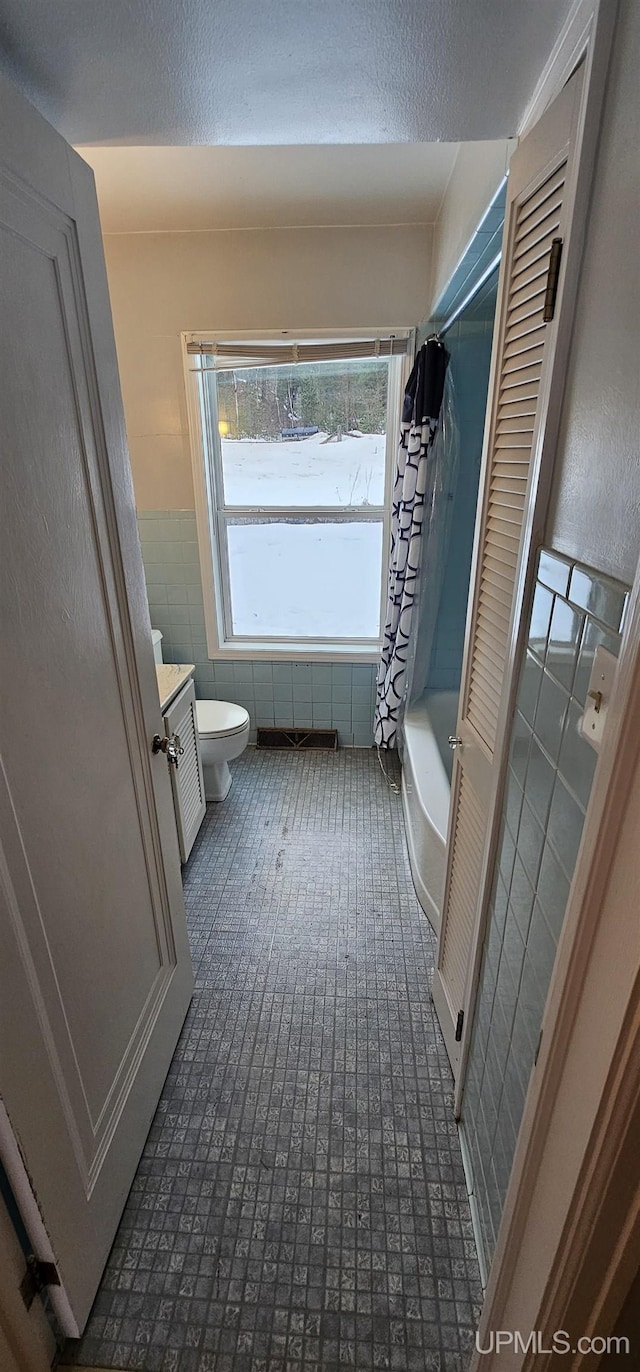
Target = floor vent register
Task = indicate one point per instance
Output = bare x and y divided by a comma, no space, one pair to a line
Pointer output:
300,739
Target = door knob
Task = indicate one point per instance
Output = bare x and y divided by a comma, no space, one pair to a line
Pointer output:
171,747
454,742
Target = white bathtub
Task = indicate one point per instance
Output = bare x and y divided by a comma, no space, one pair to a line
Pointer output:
426,793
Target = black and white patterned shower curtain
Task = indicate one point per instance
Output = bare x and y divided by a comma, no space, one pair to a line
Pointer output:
420,414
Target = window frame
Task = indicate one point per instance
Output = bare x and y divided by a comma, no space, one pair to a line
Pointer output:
212,515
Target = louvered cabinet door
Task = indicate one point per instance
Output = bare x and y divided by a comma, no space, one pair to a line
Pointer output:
537,226
523,353
186,778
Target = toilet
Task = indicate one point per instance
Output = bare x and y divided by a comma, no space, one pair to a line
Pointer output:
223,731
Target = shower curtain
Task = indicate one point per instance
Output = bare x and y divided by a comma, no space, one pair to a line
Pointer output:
420,414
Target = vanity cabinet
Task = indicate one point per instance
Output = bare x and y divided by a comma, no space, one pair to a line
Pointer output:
186,774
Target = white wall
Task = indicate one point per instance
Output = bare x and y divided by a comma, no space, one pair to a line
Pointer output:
477,173
162,284
595,507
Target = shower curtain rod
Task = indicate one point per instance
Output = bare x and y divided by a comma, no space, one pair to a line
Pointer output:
475,290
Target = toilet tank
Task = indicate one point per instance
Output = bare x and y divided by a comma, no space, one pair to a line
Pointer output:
156,639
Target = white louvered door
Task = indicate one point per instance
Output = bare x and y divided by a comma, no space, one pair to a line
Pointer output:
522,356
186,777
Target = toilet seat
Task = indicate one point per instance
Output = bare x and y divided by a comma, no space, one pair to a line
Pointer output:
220,719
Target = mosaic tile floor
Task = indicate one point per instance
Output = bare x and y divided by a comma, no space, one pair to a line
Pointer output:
300,1203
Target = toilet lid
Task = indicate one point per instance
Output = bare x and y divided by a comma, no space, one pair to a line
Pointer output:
218,718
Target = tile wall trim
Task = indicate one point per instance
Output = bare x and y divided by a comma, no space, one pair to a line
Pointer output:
479,253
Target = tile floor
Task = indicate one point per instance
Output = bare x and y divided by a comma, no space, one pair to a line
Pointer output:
300,1203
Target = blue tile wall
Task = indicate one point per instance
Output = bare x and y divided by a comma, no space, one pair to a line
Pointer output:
551,769
324,695
469,345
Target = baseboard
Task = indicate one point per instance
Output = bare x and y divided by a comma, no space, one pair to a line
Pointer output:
473,1206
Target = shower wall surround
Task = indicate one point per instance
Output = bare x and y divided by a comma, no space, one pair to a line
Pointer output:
477,257
469,345
468,342
326,695
551,769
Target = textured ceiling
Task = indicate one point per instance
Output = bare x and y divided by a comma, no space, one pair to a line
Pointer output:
145,189
279,71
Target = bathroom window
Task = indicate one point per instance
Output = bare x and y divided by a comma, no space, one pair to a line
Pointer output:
294,448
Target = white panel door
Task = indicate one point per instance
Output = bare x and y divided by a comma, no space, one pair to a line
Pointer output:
537,225
95,974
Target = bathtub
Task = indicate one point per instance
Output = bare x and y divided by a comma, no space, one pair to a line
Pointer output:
426,793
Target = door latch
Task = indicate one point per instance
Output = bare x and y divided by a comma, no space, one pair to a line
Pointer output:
553,276
598,696
171,747
37,1277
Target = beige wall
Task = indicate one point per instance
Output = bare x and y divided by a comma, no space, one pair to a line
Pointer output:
595,508
162,284
477,173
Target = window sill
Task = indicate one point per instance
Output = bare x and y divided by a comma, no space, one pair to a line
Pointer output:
247,650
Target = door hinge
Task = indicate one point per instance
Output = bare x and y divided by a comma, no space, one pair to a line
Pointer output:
459,1024
553,274
37,1276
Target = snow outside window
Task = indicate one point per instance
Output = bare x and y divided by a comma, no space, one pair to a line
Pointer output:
297,463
